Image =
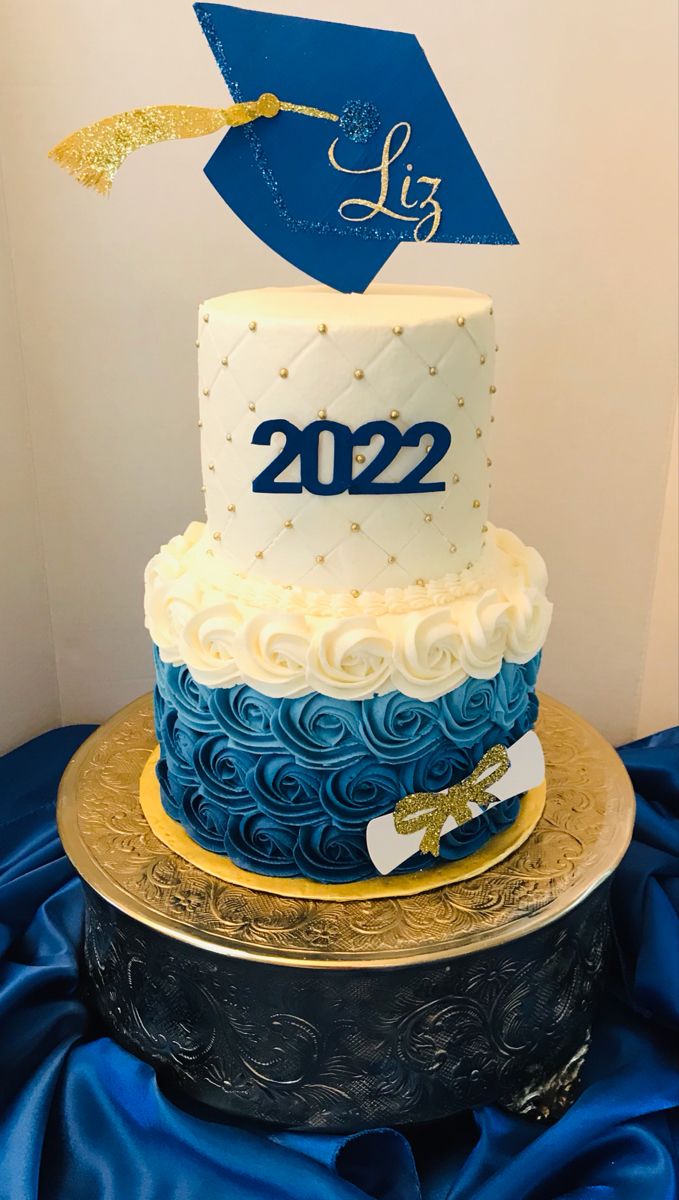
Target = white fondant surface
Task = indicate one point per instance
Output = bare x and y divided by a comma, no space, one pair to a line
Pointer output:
287,641
423,373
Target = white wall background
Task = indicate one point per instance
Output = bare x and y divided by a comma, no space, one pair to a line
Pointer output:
571,109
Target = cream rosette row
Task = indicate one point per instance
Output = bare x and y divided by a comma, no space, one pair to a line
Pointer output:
422,653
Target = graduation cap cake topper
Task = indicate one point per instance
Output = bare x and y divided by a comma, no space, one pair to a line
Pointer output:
340,144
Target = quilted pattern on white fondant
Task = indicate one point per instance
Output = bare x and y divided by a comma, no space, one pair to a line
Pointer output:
423,373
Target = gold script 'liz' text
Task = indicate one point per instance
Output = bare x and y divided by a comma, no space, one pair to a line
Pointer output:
428,223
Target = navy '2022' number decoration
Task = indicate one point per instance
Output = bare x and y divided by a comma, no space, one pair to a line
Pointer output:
305,445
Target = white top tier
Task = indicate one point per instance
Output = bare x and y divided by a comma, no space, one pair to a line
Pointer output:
310,356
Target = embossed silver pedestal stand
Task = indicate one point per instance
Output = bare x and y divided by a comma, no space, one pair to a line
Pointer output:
323,1015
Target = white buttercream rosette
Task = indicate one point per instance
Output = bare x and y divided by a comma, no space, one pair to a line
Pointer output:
422,642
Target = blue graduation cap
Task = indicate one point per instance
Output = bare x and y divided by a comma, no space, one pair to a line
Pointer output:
341,144
334,195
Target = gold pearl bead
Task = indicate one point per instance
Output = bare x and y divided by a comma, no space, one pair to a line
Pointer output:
322,414
419,582
482,359
452,549
394,414
217,535
490,310
358,373
456,478
433,370
427,517
492,389
460,402
484,528
496,349
489,462
252,406
320,558
206,391
360,458
492,420
478,432
228,437
476,504
355,526
398,330
203,488
197,344
225,361
206,317
355,592
322,328
287,524
200,424
469,566
283,372
391,559
231,508
259,554
460,321
210,466
252,326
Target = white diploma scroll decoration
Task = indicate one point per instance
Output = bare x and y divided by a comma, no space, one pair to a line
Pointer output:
388,848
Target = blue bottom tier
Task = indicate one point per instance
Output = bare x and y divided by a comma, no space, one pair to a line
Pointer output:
287,787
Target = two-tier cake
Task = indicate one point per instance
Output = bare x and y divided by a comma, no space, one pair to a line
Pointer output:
347,628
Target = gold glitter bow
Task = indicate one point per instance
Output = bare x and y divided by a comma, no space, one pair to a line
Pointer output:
429,810
95,153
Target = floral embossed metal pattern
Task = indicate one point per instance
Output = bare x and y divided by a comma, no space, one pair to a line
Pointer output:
341,1049
579,840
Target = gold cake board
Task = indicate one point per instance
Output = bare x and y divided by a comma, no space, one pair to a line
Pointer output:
175,838
579,838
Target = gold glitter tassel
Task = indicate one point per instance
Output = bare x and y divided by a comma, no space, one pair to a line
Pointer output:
94,154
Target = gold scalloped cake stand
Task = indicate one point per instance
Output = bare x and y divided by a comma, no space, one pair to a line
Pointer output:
417,1006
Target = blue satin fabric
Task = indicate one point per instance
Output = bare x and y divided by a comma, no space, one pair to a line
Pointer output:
81,1119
